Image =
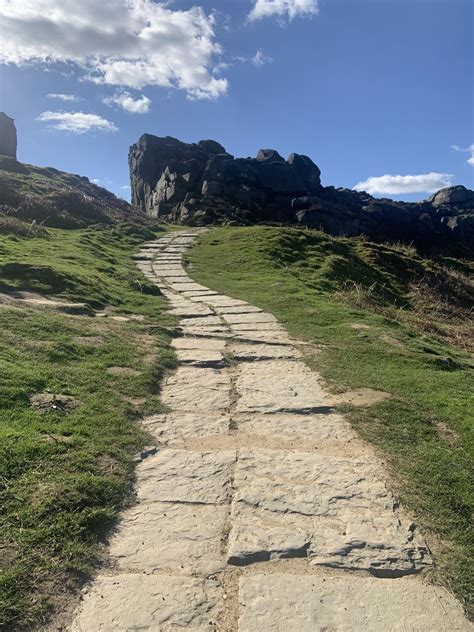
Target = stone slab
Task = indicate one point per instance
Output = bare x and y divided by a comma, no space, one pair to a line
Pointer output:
320,428
249,352
279,386
184,476
152,603
191,330
253,317
200,357
189,286
172,427
191,389
238,309
201,322
284,603
170,537
190,309
335,511
187,342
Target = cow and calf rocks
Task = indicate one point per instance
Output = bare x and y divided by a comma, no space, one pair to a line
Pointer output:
201,183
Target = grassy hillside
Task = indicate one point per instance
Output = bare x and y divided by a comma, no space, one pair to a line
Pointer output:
67,464
32,196
380,317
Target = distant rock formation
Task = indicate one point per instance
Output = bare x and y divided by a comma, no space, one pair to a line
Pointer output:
8,140
201,184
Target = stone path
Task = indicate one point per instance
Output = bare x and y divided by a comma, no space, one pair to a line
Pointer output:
261,510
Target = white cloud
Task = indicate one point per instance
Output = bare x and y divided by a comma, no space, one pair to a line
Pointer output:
96,180
468,150
130,43
398,185
283,9
63,97
260,59
77,122
126,101
126,186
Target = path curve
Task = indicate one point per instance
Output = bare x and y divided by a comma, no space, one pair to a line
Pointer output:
262,510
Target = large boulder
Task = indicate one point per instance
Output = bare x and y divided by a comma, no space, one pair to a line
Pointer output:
269,155
458,195
307,171
8,140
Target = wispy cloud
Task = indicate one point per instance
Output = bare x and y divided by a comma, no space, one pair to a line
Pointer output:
63,97
77,122
259,59
133,43
398,185
126,101
126,186
283,9
468,150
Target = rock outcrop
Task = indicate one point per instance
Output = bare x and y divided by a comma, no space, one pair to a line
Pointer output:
8,140
200,183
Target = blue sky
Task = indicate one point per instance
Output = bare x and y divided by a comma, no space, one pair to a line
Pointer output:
371,89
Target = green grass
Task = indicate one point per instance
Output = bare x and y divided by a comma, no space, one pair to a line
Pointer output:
65,477
415,315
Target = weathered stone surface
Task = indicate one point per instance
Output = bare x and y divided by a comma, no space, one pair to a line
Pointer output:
268,337
280,603
336,511
172,427
191,389
249,352
155,603
457,195
169,537
254,317
211,344
238,309
190,309
185,477
305,428
200,322
200,357
279,386
182,287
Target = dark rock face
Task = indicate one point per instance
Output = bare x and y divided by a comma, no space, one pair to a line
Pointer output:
8,140
176,180
201,183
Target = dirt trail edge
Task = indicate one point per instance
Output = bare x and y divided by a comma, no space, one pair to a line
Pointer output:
262,510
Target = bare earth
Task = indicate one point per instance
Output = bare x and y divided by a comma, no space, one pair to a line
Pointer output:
261,510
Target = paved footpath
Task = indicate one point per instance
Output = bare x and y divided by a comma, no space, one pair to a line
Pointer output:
262,510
